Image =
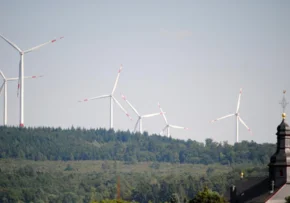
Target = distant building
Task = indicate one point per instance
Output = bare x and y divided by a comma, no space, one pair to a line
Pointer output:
275,187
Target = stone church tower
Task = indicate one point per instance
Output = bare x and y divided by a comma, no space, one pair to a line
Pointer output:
279,166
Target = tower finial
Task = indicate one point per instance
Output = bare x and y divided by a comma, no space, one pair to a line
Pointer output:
284,104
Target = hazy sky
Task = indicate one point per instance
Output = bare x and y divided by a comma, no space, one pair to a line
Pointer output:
191,56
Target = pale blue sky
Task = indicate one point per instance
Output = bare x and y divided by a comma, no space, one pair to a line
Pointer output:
191,56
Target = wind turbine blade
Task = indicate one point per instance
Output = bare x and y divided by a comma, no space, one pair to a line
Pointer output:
136,125
41,45
122,108
175,126
26,77
1,73
222,117
100,97
33,76
11,43
12,79
239,101
162,132
1,88
151,115
162,113
245,124
116,82
132,107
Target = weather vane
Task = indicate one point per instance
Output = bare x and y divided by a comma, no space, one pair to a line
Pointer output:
284,102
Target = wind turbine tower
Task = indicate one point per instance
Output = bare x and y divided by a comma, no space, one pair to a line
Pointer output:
21,72
238,118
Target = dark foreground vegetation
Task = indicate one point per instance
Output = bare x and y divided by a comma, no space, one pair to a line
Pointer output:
76,165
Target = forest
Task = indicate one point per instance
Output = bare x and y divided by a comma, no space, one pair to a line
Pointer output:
80,165
101,144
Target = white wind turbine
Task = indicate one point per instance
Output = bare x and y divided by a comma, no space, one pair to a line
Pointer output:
112,99
140,117
238,118
167,127
21,72
4,87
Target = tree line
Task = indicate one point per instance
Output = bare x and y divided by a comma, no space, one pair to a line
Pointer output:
44,143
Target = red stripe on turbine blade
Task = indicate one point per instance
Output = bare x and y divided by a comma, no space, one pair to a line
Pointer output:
85,100
33,76
129,116
53,40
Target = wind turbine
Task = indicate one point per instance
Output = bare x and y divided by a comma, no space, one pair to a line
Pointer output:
167,127
140,117
112,99
21,72
4,87
238,118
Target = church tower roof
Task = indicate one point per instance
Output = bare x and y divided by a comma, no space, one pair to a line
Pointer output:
283,125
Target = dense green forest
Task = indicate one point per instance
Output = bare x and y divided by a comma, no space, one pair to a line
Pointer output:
100,144
60,181
77,165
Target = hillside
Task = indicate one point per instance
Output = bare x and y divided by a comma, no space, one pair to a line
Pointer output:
79,165
100,144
